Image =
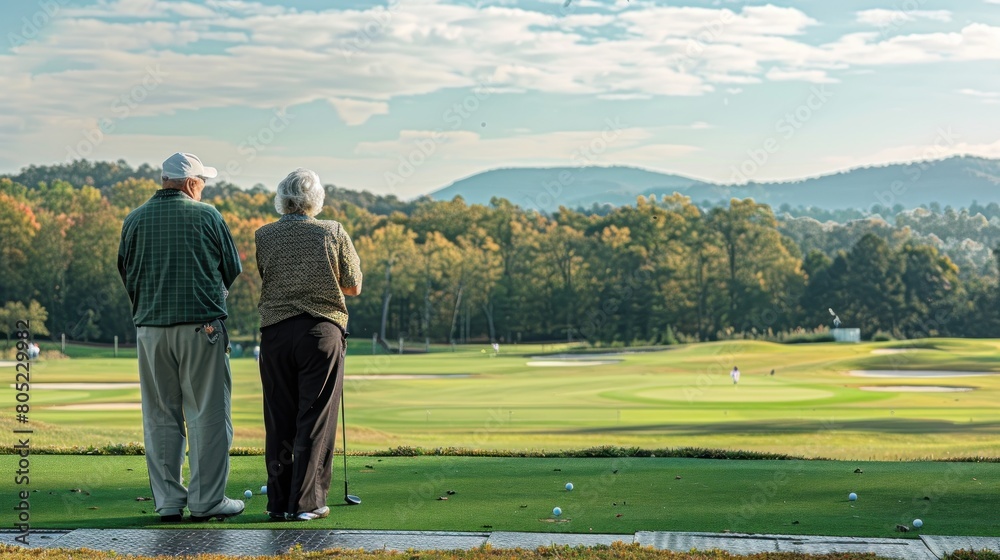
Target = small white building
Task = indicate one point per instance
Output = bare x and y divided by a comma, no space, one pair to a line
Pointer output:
847,335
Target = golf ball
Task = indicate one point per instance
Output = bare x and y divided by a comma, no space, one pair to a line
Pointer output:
852,496
263,489
918,523
248,494
569,485
557,511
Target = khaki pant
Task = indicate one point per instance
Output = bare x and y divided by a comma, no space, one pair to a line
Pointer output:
185,379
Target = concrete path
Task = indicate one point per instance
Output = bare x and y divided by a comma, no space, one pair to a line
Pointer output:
276,541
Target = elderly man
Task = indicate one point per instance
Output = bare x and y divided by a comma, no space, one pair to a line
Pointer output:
177,260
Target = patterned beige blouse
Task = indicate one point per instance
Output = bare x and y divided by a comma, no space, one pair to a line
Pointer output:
303,263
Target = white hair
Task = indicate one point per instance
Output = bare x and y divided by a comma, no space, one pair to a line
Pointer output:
301,192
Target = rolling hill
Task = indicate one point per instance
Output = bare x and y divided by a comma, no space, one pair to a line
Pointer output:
955,181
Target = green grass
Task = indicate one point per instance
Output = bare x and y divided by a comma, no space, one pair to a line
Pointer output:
679,397
517,494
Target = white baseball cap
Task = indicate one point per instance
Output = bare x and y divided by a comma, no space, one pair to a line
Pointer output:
183,165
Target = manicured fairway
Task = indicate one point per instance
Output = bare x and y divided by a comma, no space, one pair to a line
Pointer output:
516,494
812,406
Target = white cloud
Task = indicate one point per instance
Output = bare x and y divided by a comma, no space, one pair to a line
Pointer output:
978,93
355,112
368,56
987,97
560,147
975,41
891,18
624,96
149,9
237,53
658,153
814,76
696,125
937,149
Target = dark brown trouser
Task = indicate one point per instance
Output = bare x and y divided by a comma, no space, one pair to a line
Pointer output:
302,373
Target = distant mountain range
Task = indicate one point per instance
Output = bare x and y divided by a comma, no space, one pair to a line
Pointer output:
955,181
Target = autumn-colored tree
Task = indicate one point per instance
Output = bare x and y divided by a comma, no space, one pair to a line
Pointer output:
132,192
14,316
18,228
244,320
388,257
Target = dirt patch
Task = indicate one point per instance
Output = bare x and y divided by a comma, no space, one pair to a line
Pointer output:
916,389
389,376
585,357
571,363
84,386
918,373
98,406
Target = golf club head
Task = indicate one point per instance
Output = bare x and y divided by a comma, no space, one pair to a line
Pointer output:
352,500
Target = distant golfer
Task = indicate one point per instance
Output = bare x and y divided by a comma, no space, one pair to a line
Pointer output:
177,260
735,374
308,266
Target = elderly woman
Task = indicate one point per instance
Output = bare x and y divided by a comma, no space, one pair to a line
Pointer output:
307,267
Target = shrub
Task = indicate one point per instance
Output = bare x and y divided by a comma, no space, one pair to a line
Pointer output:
882,336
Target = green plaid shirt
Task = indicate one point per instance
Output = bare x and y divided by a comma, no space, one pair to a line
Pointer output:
177,260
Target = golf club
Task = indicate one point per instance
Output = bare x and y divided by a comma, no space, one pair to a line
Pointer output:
351,500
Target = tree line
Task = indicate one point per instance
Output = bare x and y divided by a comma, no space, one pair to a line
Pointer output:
664,270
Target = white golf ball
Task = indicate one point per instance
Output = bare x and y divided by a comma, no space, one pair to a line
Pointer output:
248,494
263,489
918,523
852,496
557,511
569,485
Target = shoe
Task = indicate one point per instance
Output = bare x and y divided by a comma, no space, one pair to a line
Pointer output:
310,515
277,516
226,508
172,517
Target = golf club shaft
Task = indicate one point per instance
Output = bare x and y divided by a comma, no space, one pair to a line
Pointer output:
343,439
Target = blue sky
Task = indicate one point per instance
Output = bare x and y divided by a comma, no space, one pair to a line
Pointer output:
406,96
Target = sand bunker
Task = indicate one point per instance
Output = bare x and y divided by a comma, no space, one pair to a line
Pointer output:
916,389
573,360
614,356
98,406
4,363
918,373
411,376
84,386
570,363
